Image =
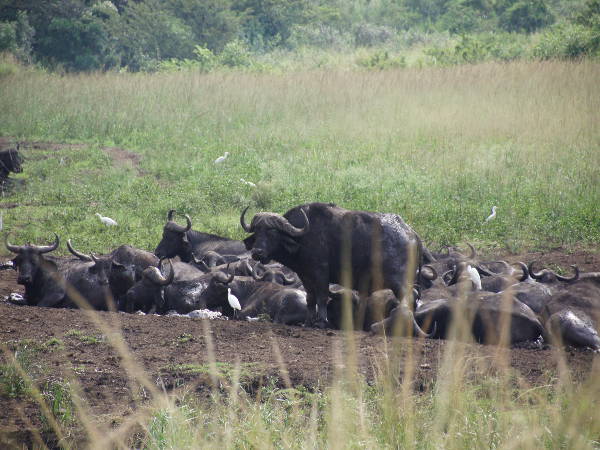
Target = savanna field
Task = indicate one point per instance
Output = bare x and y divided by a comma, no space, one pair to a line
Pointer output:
439,146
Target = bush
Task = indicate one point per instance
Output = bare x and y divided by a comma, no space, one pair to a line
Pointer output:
568,41
322,36
381,60
235,54
369,35
526,15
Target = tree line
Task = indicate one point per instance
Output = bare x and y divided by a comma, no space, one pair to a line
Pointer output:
85,35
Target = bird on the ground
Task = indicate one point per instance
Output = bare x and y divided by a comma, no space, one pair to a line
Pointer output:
221,159
233,301
474,276
107,221
492,215
248,183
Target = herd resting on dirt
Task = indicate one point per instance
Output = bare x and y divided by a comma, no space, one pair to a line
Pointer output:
325,266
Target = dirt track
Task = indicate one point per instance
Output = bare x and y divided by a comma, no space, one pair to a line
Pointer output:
159,344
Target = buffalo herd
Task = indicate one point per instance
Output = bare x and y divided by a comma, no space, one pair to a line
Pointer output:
324,266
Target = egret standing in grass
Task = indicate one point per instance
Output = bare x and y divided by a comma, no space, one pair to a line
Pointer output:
233,302
221,159
248,183
492,215
107,221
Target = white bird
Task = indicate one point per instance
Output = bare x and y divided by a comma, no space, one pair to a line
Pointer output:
492,215
221,159
233,301
474,276
107,221
248,183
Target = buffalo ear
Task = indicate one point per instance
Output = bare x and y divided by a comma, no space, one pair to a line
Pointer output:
249,242
290,244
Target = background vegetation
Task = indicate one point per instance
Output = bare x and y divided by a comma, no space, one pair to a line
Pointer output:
439,146
149,35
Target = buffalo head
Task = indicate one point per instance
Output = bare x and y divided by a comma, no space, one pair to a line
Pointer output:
29,259
174,239
273,235
149,291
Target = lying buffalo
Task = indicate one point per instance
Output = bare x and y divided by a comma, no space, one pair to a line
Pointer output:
186,243
60,283
325,244
10,161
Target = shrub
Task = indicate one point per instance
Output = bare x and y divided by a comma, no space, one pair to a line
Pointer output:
381,60
369,35
235,54
568,41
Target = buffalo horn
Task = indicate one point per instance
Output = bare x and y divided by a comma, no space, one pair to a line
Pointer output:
532,272
433,275
247,229
573,278
81,256
290,229
524,270
13,248
473,254
287,280
170,215
47,248
201,263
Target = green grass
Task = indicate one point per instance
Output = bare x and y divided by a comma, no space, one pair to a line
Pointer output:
84,338
439,146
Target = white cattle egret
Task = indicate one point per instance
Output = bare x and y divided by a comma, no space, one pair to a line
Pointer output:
221,159
248,183
492,215
233,301
474,276
107,221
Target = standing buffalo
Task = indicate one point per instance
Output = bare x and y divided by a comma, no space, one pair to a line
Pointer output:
10,161
324,244
187,243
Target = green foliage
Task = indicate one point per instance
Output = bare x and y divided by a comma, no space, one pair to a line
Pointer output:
568,41
12,383
524,15
380,60
235,54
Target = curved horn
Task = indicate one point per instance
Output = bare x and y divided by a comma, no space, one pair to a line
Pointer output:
81,256
201,263
473,254
47,248
484,271
94,258
287,280
11,247
230,276
171,275
258,277
170,215
434,273
568,279
247,229
524,270
535,276
154,274
188,227
419,332
290,229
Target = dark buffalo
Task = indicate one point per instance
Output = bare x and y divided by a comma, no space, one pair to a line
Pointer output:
170,292
10,161
124,265
484,314
378,306
54,283
283,305
313,239
186,243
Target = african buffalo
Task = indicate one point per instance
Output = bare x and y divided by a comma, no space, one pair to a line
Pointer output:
325,244
54,283
187,243
182,294
10,161
283,305
378,306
